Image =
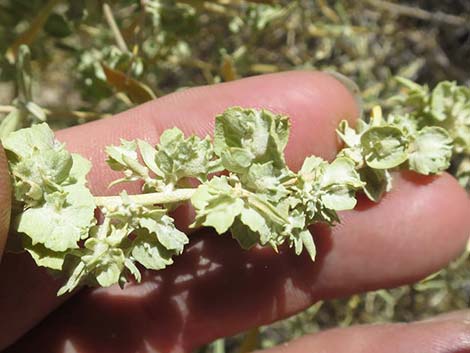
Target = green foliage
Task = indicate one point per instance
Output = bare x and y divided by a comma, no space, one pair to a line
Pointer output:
50,183
443,117
259,200
175,44
243,137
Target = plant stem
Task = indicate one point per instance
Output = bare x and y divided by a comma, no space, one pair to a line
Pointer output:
177,195
415,12
76,114
108,15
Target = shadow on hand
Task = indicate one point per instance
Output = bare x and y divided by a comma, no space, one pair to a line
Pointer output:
214,289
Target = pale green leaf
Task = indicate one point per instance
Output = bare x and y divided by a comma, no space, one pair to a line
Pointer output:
246,136
340,182
12,122
431,151
179,158
442,100
148,154
341,171
116,154
377,182
349,136
133,269
108,269
216,204
308,243
256,223
311,166
80,169
38,163
384,147
244,235
62,220
23,142
43,256
78,272
148,251
166,232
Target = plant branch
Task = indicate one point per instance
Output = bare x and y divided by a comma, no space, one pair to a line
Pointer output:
177,195
415,12
76,114
108,14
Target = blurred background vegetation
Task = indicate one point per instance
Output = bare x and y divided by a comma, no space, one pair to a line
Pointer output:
89,59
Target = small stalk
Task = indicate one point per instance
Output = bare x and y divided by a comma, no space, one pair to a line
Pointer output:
108,15
155,198
57,113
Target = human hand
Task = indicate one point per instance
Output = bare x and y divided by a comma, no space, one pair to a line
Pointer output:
215,289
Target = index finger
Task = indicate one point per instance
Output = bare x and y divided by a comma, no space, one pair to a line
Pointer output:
316,102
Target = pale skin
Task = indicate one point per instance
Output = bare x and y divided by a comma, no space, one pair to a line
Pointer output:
215,289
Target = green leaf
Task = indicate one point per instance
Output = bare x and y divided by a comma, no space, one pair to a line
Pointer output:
431,151
116,154
266,208
38,163
307,241
133,269
62,220
124,158
340,182
179,158
23,142
148,154
341,171
416,97
148,251
37,114
349,136
166,232
256,223
109,269
377,182
322,189
79,171
12,122
216,204
99,263
43,256
246,136
244,235
77,274
442,100
412,86
450,106
262,177
384,147
103,263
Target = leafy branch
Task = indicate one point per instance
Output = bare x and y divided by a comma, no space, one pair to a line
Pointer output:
244,184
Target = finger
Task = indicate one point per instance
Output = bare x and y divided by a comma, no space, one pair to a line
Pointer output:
216,290
443,334
5,201
315,102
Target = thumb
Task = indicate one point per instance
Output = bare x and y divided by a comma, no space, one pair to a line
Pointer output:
5,200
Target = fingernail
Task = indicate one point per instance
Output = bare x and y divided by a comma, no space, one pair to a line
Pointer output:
352,87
